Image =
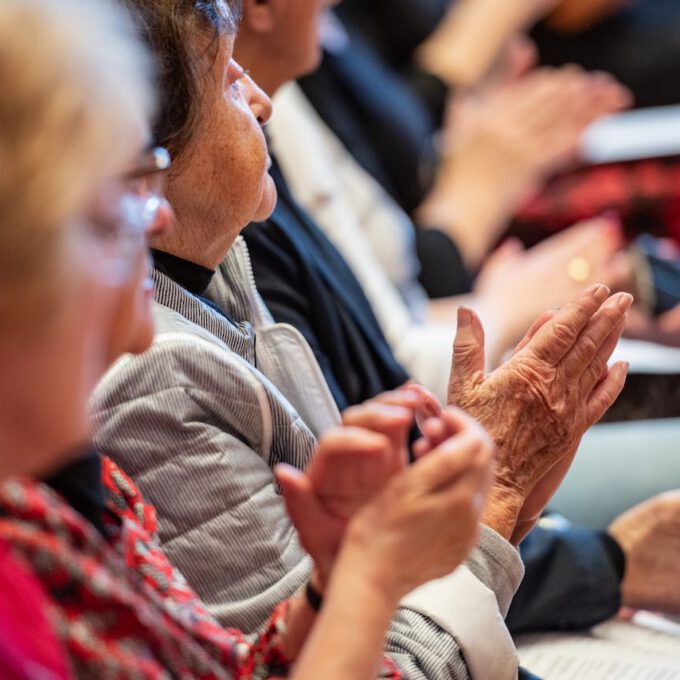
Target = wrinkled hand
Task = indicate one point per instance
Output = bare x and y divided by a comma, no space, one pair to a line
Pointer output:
425,522
538,405
353,464
649,535
545,281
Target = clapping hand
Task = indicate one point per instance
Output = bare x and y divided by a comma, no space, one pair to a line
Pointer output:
538,405
352,465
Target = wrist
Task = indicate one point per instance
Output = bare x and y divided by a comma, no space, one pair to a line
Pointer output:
318,580
470,205
502,510
522,528
469,39
362,558
362,578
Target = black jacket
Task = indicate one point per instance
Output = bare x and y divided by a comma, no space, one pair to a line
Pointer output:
384,124
306,282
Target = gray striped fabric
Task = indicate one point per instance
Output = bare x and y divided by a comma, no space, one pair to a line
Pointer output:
199,428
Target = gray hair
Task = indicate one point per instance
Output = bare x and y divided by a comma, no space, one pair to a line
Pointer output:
75,84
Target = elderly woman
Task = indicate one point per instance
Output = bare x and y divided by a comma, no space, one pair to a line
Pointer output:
79,182
224,394
52,306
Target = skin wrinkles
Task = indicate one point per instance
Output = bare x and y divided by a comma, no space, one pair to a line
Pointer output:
221,181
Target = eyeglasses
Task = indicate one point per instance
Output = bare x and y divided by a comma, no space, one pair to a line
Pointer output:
148,177
118,231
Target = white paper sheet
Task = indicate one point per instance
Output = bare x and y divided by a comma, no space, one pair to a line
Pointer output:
633,135
647,648
646,357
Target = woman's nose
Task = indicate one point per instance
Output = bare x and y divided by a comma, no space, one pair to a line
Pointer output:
260,103
163,221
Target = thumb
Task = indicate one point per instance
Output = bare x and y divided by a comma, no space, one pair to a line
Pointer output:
522,56
506,252
301,502
449,461
468,350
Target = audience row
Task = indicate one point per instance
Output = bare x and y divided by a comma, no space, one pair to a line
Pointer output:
218,457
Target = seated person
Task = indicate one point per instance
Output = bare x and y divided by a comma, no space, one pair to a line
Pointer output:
203,411
120,608
462,171
376,239
29,647
306,283
350,108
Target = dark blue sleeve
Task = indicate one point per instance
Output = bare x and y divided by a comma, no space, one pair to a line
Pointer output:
573,579
396,27
664,273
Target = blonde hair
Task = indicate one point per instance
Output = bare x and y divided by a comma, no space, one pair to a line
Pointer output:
76,84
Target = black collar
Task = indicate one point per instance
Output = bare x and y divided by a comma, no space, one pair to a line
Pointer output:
80,483
193,277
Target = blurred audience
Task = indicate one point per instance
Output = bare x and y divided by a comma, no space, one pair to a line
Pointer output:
199,299
116,603
286,539
343,91
634,41
457,39
305,283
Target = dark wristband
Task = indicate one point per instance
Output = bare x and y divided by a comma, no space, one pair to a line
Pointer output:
314,598
615,553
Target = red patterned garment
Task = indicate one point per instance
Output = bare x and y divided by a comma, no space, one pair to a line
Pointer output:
29,649
645,194
121,610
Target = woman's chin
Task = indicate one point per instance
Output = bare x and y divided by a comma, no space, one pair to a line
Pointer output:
143,339
267,200
143,327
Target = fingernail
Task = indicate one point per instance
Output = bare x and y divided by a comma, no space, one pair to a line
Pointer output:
464,317
289,470
598,291
625,301
622,367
